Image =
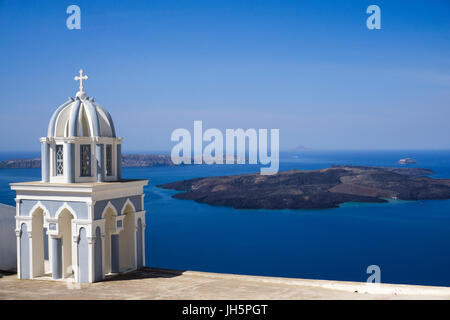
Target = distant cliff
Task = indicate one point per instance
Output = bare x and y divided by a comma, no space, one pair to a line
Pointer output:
146,160
313,189
21,163
128,160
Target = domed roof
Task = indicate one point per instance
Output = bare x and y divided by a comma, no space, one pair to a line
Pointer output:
81,117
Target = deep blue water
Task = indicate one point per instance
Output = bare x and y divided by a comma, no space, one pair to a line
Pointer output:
410,241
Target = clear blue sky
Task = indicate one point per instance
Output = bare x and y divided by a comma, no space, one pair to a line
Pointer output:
310,68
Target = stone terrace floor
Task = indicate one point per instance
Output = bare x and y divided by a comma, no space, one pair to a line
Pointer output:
153,283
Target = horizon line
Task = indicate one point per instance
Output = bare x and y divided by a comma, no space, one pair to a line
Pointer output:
281,150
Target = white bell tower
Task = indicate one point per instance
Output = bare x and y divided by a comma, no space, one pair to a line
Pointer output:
82,220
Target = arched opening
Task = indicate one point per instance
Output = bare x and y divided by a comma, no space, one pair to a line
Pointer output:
127,247
139,246
109,227
38,242
98,256
24,252
65,229
83,257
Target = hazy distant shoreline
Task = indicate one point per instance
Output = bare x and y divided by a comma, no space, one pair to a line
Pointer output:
128,160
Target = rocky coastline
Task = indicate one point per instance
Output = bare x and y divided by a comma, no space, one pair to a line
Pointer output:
314,189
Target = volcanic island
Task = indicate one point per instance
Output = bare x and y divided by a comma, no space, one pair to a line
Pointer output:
314,189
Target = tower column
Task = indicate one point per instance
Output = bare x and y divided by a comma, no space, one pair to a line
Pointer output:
70,162
119,161
45,160
56,258
115,267
99,154
143,242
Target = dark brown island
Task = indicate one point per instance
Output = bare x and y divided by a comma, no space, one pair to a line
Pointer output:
314,189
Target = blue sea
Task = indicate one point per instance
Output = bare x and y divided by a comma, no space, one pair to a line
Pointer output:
408,240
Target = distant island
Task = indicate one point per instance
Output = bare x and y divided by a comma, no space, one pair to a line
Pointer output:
128,160
146,160
407,161
314,189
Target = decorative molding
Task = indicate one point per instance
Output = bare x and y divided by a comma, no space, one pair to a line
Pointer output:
82,222
79,192
66,206
23,218
108,206
91,208
118,230
127,202
39,205
54,198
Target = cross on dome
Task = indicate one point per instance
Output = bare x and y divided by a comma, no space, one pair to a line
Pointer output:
81,78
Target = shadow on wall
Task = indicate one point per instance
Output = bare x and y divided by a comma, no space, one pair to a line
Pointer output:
145,273
8,244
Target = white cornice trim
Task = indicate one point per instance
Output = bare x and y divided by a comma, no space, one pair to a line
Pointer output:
77,187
